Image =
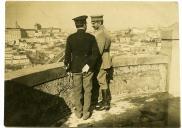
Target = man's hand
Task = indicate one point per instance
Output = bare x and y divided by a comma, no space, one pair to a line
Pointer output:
85,68
69,74
67,70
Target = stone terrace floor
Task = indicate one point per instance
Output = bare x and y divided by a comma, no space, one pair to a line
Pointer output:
132,111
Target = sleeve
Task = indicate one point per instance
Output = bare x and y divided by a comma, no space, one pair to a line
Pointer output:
108,43
67,59
95,54
101,43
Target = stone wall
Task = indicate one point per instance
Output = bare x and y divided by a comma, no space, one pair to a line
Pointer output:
129,75
124,80
46,90
139,79
60,87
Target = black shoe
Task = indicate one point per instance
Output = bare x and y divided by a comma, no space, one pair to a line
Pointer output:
99,106
102,107
105,96
104,104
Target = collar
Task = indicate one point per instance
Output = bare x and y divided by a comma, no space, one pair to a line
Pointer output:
80,30
101,27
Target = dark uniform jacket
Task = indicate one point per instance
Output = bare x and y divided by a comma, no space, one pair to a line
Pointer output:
81,49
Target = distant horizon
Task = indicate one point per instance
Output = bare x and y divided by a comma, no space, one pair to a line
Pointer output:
117,15
109,30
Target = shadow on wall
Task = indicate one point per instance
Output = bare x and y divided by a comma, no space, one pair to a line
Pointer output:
25,106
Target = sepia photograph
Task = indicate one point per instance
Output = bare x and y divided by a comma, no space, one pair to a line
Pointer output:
91,64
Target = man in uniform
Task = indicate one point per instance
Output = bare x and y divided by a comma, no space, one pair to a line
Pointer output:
104,64
80,57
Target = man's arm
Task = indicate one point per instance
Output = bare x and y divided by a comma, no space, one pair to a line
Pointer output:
101,42
95,54
67,60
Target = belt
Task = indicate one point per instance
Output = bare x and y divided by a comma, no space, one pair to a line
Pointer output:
80,55
106,50
79,73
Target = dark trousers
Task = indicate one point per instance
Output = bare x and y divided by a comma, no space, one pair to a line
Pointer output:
82,82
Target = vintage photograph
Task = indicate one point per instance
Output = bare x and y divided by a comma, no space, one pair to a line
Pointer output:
91,64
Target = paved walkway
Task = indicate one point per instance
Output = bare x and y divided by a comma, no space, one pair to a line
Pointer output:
117,108
145,110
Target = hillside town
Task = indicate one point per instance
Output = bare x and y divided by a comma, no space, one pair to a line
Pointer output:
134,41
30,47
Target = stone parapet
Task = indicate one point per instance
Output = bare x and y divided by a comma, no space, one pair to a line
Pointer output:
123,60
45,91
36,75
129,73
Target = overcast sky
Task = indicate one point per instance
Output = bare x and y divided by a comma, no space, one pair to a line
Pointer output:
117,15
